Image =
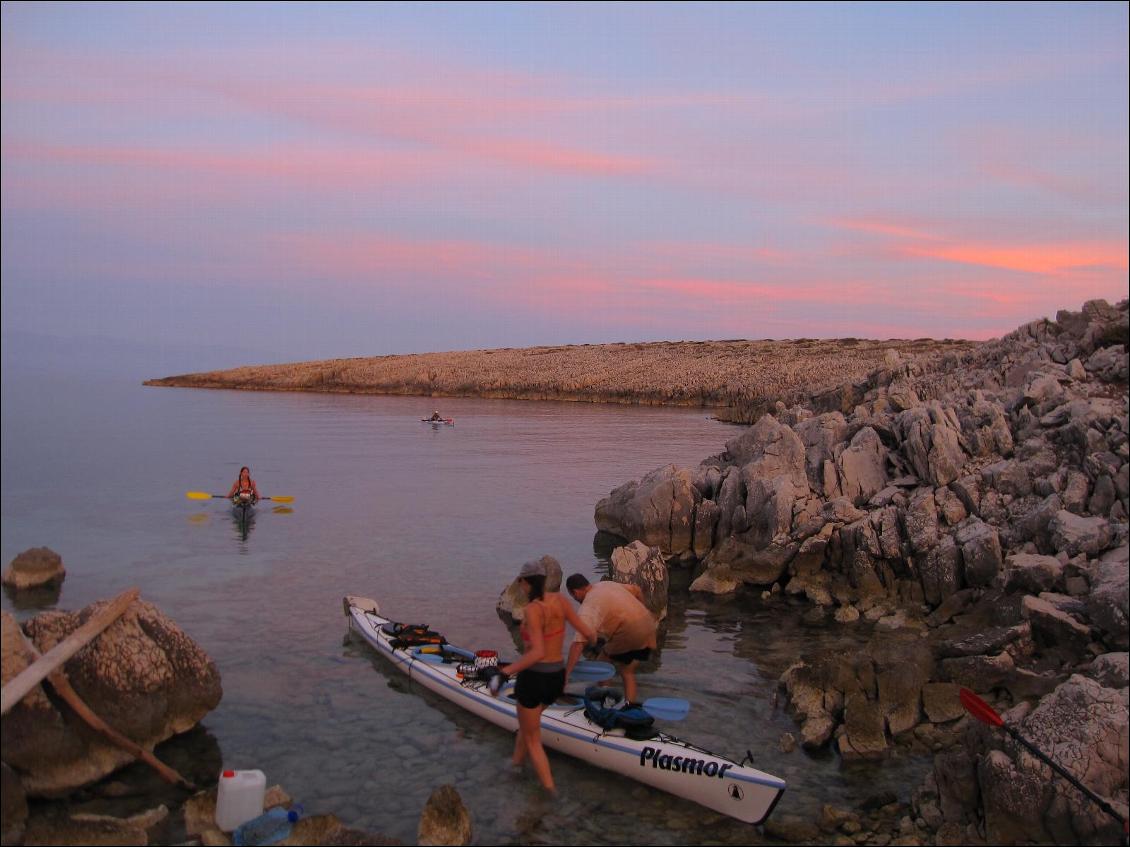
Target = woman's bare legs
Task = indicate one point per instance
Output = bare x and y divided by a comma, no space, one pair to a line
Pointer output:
529,739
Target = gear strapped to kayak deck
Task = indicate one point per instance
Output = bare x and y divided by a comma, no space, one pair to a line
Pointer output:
571,725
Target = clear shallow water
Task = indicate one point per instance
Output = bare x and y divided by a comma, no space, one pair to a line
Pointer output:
433,523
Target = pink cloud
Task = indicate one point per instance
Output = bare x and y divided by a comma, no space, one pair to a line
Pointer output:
880,227
328,166
1049,259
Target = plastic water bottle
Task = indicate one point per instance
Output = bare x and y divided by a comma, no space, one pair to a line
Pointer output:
270,827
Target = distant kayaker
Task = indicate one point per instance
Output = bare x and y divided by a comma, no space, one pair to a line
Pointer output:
244,486
541,670
618,615
435,417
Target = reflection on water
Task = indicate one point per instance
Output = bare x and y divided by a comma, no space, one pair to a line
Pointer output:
244,521
41,597
431,522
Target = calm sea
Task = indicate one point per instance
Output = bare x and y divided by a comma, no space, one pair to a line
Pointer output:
433,523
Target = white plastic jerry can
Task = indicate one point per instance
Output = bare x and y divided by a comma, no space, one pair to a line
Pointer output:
239,798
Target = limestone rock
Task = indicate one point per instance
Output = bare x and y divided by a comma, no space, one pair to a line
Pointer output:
846,614
143,676
1111,670
768,507
706,518
941,703
1108,605
1074,534
715,581
980,673
1052,627
749,564
955,773
931,441
939,571
643,566
658,510
864,735
901,396
983,642
980,552
811,685
820,435
1109,364
921,520
1083,727
950,507
1032,573
445,820
770,449
39,567
901,672
862,467
842,510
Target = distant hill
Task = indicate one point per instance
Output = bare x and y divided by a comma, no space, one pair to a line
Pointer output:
737,379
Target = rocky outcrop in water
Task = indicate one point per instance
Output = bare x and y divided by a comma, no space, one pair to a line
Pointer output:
945,467
39,567
972,508
143,676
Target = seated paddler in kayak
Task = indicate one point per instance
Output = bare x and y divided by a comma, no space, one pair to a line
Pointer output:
541,670
435,417
244,488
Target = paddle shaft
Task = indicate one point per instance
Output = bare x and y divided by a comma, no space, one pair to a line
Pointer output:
202,495
1059,769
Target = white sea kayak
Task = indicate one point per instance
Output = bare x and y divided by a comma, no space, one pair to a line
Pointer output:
663,762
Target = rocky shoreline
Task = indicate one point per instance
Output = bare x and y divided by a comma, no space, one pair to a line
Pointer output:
971,507
736,379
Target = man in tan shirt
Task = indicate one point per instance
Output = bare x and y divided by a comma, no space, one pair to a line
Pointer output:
619,617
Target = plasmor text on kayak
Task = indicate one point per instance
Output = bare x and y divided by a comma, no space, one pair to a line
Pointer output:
684,764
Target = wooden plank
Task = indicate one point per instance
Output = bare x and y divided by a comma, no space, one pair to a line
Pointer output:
22,683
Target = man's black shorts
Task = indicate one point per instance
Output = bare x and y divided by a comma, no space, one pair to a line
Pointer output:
631,656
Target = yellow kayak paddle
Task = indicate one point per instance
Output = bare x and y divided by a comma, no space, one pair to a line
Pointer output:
204,495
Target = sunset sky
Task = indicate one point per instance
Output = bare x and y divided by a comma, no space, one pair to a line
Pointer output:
303,181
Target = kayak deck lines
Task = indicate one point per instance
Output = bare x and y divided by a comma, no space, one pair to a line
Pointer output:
662,761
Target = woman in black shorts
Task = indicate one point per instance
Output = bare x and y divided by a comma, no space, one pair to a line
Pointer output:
541,670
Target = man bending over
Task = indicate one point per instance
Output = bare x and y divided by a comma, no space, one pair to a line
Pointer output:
619,617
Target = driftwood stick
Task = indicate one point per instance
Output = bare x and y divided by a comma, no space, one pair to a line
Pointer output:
18,686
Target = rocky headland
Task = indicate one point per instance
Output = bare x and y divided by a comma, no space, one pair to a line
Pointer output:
971,507
737,379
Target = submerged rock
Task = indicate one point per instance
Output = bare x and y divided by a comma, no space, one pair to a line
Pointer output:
445,820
